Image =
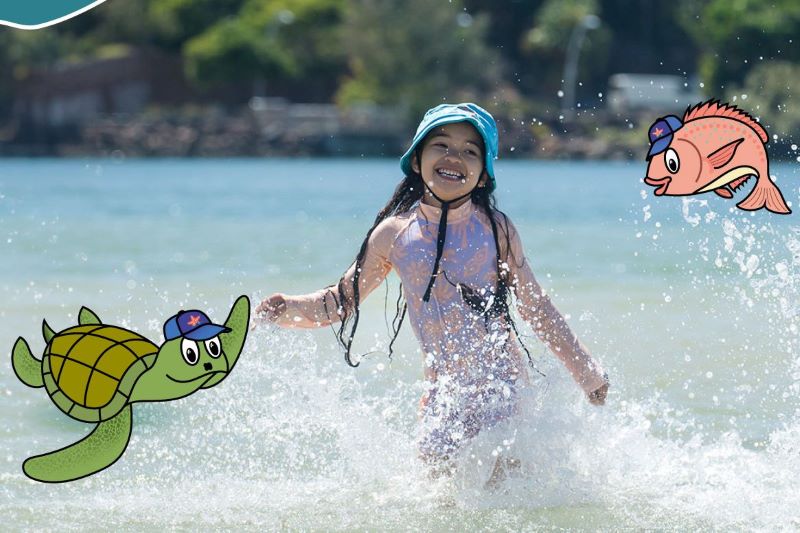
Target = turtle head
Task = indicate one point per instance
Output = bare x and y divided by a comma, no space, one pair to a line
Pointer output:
189,363
197,354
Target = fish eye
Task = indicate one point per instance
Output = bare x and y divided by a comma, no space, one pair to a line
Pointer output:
189,351
213,347
672,161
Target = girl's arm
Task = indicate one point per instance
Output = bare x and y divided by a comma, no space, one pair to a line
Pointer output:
536,308
328,305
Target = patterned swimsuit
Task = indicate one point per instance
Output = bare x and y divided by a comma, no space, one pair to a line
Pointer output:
472,361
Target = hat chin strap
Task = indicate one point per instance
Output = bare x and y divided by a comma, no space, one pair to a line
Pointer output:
440,238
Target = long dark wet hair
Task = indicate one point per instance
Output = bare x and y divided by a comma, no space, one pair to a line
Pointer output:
410,191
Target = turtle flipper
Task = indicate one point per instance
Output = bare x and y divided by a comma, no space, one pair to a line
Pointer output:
87,317
232,342
47,331
27,368
98,450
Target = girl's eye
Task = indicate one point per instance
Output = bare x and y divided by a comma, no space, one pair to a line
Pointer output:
213,347
189,351
472,153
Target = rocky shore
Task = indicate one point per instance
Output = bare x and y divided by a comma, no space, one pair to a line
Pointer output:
282,130
241,135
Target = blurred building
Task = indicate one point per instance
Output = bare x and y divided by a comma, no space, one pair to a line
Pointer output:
74,93
98,106
651,92
359,129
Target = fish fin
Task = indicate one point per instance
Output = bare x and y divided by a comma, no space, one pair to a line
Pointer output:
725,193
765,194
715,108
722,156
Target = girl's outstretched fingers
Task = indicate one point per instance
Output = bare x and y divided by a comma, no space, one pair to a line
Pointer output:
271,308
598,396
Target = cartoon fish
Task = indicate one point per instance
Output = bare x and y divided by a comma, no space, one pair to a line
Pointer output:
715,147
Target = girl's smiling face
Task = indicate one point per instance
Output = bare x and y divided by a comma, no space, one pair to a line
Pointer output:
452,162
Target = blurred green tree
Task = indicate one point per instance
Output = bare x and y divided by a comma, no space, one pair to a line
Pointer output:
735,35
177,21
769,91
288,45
509,23
416,53
549,37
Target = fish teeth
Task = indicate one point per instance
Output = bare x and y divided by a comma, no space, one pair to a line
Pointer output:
741,181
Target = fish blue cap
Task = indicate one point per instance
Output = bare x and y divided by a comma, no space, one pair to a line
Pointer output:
449,114
194,325
660,133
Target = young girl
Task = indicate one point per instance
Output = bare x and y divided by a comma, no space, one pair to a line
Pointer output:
460,260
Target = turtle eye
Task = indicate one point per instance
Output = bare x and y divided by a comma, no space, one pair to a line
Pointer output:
190,352
213,347
672,161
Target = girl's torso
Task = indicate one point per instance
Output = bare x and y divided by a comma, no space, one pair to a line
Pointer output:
459,343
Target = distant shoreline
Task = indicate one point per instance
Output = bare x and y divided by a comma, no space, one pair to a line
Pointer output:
213,133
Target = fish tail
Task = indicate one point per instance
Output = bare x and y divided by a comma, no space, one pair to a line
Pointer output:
765,194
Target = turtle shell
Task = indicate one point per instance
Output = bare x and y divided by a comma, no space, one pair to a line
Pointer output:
90,370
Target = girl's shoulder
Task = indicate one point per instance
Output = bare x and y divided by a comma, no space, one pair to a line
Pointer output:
387,231
503,223
507,236
395,222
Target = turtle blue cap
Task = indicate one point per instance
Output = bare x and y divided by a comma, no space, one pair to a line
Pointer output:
194,325
443,114
660,134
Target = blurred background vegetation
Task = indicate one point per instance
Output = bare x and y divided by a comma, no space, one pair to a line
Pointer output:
408,55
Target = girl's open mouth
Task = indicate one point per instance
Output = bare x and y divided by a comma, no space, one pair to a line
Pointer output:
450,175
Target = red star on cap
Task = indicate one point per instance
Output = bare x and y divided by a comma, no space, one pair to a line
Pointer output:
657,132
194,320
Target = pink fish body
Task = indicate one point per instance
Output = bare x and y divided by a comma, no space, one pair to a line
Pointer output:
715,147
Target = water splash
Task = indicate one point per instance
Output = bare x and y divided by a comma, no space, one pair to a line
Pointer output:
293,439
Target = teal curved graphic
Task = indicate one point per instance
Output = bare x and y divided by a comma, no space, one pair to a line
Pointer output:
35,14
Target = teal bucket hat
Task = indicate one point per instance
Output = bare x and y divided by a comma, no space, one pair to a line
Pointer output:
448,114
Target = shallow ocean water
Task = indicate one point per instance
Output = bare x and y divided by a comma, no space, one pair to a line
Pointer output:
689,303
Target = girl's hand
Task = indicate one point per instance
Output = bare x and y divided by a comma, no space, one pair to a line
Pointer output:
273,307
598,397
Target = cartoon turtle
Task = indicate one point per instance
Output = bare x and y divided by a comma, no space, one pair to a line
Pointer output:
95,372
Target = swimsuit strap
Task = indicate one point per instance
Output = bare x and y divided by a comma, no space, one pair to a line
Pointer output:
502,287
440,238
496,240
501,297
